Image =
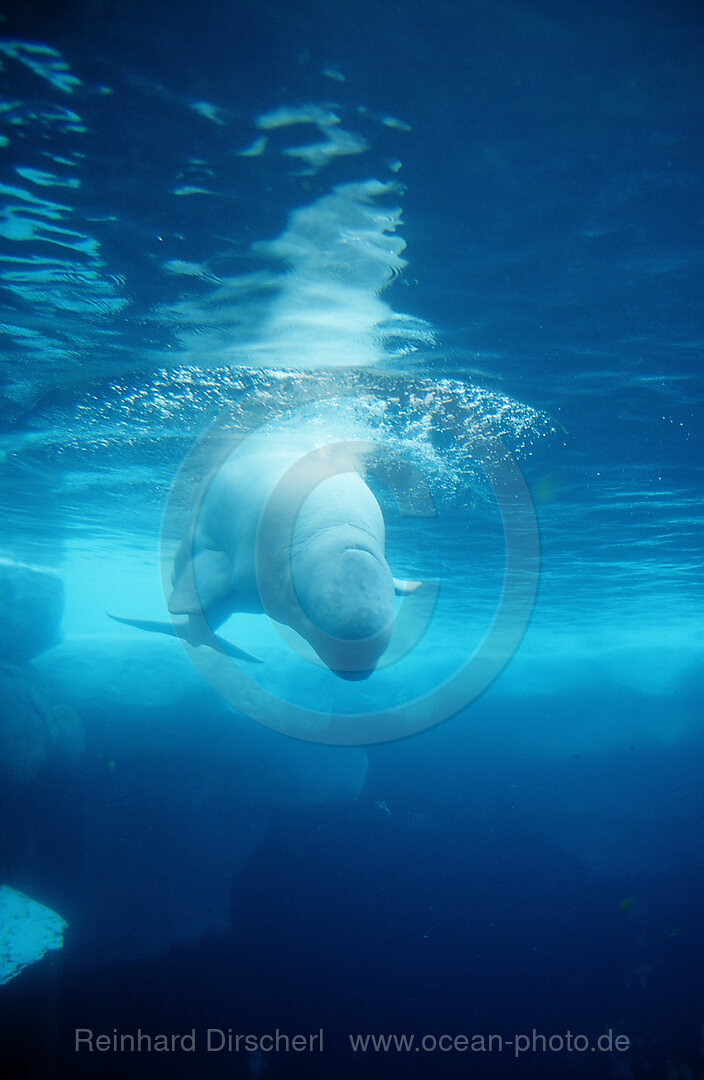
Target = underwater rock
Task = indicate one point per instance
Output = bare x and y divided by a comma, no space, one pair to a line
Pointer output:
167,751
118,671
207,796
28,930
31,609
33,728
143,700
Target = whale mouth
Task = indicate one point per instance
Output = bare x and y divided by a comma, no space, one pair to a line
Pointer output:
354,676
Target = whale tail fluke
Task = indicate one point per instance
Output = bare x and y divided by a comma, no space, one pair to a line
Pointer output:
185,631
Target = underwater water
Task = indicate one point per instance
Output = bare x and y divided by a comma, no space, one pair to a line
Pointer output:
465,239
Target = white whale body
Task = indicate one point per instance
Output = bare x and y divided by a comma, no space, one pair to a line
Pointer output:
293,531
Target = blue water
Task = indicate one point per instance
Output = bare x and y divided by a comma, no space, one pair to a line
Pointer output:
473,234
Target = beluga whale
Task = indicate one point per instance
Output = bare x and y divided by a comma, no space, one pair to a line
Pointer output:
288,527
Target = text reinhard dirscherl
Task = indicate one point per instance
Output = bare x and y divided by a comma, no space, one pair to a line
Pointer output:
213,1040
217,1040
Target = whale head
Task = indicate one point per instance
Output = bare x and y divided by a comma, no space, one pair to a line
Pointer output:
347,599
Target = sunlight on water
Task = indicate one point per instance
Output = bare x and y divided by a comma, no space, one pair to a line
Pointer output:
322,309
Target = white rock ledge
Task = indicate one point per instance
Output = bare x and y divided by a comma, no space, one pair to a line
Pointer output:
27,931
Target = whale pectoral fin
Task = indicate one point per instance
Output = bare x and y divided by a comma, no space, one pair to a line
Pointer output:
405,588
186,632
204,582
235,652
148,624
